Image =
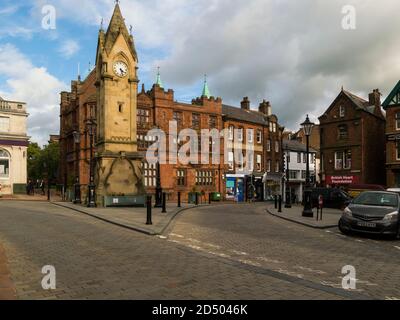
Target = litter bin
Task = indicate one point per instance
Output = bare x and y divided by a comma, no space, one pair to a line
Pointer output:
216,196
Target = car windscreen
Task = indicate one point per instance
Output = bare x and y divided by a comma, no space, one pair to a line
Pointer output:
377,199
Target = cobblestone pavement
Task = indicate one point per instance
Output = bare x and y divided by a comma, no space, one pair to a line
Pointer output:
248,235
97,260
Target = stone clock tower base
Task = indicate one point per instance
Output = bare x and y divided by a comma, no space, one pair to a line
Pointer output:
118,175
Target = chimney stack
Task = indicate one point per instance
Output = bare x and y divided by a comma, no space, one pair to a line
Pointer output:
265,108
375,100
245,104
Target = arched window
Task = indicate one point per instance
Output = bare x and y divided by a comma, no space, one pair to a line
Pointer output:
4,164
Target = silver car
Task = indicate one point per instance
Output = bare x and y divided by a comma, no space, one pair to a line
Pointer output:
373,212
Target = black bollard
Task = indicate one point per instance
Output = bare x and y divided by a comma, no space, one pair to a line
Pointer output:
164,202
197,199
149,208
276,201
209,198
179,200
280,204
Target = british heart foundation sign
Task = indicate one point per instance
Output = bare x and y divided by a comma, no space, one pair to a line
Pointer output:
341,180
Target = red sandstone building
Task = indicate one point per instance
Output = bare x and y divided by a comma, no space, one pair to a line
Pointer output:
353,141
156,108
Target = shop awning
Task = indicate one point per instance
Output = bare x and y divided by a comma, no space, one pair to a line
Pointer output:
269,176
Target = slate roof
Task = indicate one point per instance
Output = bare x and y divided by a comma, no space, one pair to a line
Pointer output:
244,115
361,103
294,145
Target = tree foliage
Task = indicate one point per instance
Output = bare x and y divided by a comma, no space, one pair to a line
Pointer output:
43,163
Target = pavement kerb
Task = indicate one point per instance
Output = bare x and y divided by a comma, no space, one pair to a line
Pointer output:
301,223
133,228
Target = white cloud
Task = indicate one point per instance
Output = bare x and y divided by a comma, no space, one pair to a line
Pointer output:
69,48
293,53
35,86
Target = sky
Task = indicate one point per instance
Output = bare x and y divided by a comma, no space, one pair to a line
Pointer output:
295,54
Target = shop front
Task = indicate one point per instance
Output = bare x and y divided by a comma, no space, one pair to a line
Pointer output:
235,187
272,185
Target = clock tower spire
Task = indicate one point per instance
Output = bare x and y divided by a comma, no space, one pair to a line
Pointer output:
118,164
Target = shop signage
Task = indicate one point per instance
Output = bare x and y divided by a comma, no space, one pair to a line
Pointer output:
331,180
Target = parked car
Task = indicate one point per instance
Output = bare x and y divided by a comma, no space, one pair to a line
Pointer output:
374,212
396,190
333,198
355,190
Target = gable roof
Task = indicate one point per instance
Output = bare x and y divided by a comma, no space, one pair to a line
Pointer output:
391,95
358,102
244,115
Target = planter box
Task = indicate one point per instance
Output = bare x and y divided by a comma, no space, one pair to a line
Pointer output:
125,201
19,188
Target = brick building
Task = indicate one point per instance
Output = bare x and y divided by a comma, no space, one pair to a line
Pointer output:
353,141
392,108
156,108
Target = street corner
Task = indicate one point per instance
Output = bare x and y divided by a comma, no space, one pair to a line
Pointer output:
328,218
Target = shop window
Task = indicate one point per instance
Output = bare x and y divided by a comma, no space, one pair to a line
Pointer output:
4,164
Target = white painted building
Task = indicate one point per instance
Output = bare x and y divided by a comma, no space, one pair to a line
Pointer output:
13,146
295,154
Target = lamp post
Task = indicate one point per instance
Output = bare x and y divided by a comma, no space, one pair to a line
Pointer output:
77,186
159,191
307,212
91,127
288,201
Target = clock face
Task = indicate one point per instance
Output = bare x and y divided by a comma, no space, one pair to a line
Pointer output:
120,69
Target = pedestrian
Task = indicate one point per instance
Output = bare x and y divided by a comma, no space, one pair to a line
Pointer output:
42,187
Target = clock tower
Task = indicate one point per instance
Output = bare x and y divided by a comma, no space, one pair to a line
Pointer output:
118,169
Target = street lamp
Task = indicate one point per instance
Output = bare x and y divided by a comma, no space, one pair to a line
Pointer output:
91,128
77,186
308,212
288,201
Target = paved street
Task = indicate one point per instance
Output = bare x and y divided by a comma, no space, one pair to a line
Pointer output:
229,252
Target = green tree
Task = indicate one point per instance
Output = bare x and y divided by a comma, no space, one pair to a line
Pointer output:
43,163
34,161
51,160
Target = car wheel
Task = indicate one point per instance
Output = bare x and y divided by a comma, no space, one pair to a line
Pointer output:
342,230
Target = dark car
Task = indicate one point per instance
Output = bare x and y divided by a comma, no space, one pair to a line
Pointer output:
372,212
333,198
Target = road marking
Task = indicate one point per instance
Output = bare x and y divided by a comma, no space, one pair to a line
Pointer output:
328,231
251,263
360,241
289,273
240,253
176,235
162,237
310,270
392,298
222,255
397,247
269,260
193,240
